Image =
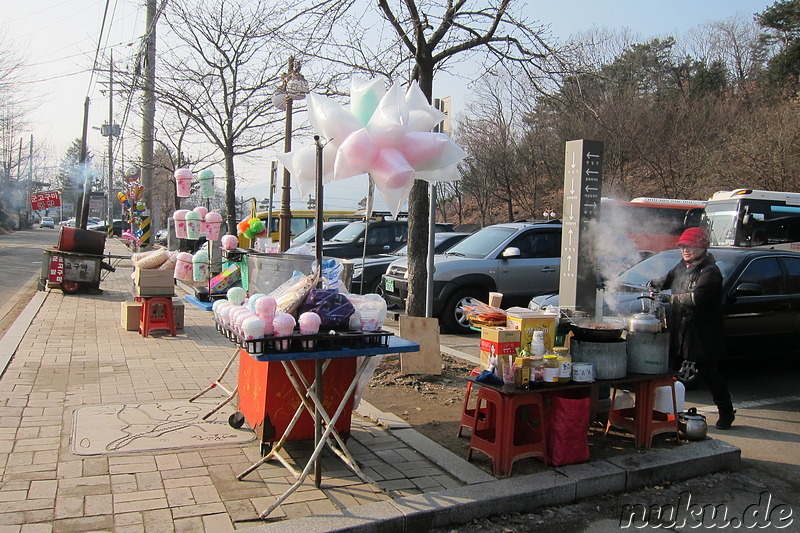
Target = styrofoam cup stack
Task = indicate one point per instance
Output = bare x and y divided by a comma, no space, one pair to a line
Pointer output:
265,309
283,324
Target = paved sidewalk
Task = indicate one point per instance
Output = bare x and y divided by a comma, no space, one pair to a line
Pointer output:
73,353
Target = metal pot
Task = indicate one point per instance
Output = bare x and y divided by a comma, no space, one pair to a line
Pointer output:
692,425
644,322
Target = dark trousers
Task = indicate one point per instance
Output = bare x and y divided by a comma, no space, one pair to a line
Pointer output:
716,384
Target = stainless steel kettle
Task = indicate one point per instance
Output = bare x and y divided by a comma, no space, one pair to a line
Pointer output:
648,319
692,425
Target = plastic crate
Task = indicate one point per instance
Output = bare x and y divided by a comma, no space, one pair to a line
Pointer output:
235,255
309,343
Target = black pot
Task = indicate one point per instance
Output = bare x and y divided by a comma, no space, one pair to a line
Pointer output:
597,331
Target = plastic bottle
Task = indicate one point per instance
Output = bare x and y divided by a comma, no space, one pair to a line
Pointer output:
537,343
565,364
537,370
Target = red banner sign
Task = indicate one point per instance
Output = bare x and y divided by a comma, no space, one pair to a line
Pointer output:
56,274
45,200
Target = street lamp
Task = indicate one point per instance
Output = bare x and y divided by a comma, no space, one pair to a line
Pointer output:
293,87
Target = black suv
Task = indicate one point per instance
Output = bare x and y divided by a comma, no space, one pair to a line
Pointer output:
382,237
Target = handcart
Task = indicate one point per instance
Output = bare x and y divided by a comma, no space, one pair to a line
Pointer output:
72,271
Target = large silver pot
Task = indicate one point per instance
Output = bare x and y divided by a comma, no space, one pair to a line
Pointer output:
692,425
644,323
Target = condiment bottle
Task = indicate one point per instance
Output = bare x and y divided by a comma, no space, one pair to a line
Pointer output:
537,343
565,364
537,369
551,369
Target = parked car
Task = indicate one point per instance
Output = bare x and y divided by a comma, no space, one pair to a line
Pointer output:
161,236
47,222
760,298
89,222
384,236
519,259
103,226
329,231
368,274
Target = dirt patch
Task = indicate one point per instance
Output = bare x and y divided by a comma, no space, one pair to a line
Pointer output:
433,405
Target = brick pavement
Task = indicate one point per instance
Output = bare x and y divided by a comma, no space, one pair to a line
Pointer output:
76,354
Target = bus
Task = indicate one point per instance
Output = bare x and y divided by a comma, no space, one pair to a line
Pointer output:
302,219
651,224
753,218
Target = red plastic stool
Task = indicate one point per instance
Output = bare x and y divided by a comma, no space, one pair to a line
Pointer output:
488,437
468,413
157,313
642,420
524,435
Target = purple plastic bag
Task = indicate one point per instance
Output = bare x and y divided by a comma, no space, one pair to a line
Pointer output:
332,307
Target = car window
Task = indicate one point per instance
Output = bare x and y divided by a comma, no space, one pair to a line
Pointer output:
793,267
480,244
379,235
351,232
538,244
765,272
401,233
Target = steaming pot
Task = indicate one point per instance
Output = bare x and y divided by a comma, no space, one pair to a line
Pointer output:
644,322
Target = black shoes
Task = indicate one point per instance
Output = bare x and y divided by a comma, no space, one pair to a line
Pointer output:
726,418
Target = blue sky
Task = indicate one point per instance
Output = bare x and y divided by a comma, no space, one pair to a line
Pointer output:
60,38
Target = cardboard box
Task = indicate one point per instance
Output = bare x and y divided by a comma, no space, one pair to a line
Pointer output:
527,321
225,279
502,342
131,311
153,282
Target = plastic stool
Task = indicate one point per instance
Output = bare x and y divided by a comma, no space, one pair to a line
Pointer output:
468,413
489,437
523,438
642,420
157,313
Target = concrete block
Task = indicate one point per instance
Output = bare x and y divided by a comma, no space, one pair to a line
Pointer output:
594,478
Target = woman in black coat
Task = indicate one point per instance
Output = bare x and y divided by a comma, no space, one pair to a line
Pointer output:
696,321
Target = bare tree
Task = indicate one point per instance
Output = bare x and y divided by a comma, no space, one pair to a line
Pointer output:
221,74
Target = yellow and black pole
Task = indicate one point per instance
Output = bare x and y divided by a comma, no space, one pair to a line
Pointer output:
144,227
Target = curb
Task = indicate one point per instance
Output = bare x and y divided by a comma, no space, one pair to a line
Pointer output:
13,337
522,494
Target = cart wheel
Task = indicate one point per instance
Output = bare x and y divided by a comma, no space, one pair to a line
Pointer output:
266,447
236,420
70,287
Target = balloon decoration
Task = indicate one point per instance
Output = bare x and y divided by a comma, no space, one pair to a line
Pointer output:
252,228
131,198
386,134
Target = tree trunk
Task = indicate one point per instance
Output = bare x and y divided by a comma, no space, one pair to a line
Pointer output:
230,193
418,222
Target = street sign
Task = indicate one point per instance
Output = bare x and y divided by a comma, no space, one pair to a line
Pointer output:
45,200
583,178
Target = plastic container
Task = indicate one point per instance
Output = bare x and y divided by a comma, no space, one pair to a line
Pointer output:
179,217
183,182
200,266
213,223
537,369
193,222
551,369
564,364
253,328
206,179
663,398
537,343
203,212
229,242
236,295
183,266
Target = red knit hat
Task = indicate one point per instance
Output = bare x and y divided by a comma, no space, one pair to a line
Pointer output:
694,237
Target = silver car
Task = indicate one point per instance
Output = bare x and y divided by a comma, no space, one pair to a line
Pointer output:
518,259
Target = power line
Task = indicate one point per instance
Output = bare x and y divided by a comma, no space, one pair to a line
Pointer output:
97,51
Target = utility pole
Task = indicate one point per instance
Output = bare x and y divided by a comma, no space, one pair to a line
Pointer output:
30,178
148,119
87,186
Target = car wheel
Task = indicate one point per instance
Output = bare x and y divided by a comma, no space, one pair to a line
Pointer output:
453,317
688,374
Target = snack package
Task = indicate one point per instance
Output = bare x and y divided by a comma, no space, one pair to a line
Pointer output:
332,307
293,292
225,279
480,314
150,260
